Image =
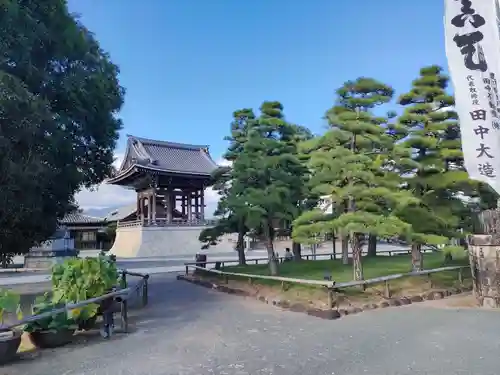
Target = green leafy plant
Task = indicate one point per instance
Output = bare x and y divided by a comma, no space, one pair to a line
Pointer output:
54,323
9,303
80,279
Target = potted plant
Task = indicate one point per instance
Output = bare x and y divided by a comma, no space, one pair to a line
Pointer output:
76,280
9,339
53,331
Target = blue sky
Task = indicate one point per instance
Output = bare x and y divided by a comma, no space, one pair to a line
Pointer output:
187,65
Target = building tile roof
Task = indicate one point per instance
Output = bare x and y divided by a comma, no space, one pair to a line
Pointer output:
167,157
79,218
121,213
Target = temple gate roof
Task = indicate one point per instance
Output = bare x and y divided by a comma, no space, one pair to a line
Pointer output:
164,158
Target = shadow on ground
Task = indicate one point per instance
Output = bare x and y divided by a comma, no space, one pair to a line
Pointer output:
172,305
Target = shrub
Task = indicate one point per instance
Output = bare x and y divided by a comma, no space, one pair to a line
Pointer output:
80,279
55,322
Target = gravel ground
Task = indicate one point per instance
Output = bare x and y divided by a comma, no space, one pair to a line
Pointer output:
189,330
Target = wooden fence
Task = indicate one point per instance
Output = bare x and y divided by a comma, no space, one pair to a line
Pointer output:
333,287
123,296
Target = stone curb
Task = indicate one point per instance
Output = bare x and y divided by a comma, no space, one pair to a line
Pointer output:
328,314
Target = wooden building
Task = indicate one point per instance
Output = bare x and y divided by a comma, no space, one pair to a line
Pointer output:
86,231
169,178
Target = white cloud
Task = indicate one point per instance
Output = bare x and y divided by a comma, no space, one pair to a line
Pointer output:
211,196
104,195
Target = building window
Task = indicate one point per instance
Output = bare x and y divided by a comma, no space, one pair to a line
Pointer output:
88,236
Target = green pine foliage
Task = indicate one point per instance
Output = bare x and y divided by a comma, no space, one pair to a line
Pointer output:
435,174
353,163
268,174
230,207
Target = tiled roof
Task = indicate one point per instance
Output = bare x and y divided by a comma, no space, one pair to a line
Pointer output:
78,218
121,213
167,156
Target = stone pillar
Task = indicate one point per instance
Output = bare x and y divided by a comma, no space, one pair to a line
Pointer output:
484,256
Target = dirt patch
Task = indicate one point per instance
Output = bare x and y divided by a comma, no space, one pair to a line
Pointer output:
344,304
356,297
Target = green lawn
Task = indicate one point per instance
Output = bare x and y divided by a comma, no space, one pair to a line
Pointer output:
373,267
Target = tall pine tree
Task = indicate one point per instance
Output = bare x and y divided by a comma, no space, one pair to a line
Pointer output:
436,174
353,165
230,206
271,173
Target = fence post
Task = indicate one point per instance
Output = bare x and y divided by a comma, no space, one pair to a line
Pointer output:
124,279
460,276
124,314
145,291
331,298
387,290
430,280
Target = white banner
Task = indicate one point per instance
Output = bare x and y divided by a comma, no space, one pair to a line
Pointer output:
472,41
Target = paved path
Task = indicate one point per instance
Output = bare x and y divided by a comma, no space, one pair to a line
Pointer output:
189,330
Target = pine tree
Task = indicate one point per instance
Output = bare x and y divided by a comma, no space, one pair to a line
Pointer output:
353,164
271,174
436,174
230,206
305,199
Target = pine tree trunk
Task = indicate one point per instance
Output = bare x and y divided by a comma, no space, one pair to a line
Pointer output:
273,262
297,251
240,244
372,246
417,260
334,245
345,250
357,250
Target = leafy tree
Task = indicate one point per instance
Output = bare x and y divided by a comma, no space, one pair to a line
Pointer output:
268,174
230,205
59,94
353,164
436,174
